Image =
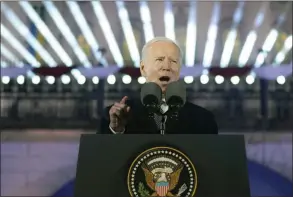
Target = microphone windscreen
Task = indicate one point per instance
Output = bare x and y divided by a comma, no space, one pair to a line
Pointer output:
151,94
176,93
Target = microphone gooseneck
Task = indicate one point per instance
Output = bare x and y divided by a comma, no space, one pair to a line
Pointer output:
163,125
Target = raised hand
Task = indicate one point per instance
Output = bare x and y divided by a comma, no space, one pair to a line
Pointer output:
119,113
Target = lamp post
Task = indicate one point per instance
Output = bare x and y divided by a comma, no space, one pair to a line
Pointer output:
101,89
264,84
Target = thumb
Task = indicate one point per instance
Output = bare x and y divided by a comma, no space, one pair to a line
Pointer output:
123,100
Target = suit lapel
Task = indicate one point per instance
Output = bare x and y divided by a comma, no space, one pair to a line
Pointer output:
172,125
175,125
141,119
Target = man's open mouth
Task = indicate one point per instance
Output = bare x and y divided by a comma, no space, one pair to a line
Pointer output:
164,79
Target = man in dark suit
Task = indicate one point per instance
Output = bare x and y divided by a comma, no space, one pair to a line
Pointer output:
161,63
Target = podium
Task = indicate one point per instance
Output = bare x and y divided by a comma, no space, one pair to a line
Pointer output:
161,165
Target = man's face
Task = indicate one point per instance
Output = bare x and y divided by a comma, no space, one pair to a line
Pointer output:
161,64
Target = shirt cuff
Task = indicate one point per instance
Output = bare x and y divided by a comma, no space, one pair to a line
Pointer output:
116,132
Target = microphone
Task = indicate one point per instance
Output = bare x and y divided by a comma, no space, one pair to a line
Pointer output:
175,97
151,97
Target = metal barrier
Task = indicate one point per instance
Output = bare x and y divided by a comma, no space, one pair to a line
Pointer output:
233,110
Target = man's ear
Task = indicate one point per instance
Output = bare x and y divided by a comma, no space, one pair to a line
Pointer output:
142,67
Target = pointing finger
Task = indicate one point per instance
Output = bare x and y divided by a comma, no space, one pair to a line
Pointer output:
120,105
123,100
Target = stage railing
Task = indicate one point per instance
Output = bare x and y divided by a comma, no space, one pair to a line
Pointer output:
81,110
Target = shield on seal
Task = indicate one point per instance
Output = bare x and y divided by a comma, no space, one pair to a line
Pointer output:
162,188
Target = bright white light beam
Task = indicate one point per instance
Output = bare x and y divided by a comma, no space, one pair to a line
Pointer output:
8,54
231,37
65,30
128,33
270,41
42,27
191,35
169,20
27,35
251,38
3,63
5,33
145,16
212,36
108,33
86,31
280,57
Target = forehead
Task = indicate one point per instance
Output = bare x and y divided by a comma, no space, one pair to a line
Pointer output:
162,48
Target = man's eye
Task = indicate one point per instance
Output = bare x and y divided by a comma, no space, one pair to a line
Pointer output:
160,59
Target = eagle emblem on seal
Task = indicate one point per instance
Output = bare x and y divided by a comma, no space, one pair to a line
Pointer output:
162,172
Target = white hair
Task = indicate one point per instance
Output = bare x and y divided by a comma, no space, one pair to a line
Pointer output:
159,39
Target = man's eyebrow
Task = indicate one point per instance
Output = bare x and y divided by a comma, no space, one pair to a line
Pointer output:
173,58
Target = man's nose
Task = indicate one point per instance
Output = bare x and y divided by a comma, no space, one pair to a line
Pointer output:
166,65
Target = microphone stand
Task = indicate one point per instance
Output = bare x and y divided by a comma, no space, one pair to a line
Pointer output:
163,125
173,113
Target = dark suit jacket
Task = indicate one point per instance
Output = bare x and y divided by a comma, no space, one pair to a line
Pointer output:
192,119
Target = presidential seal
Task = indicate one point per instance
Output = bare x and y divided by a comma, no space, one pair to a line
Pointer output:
162,171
